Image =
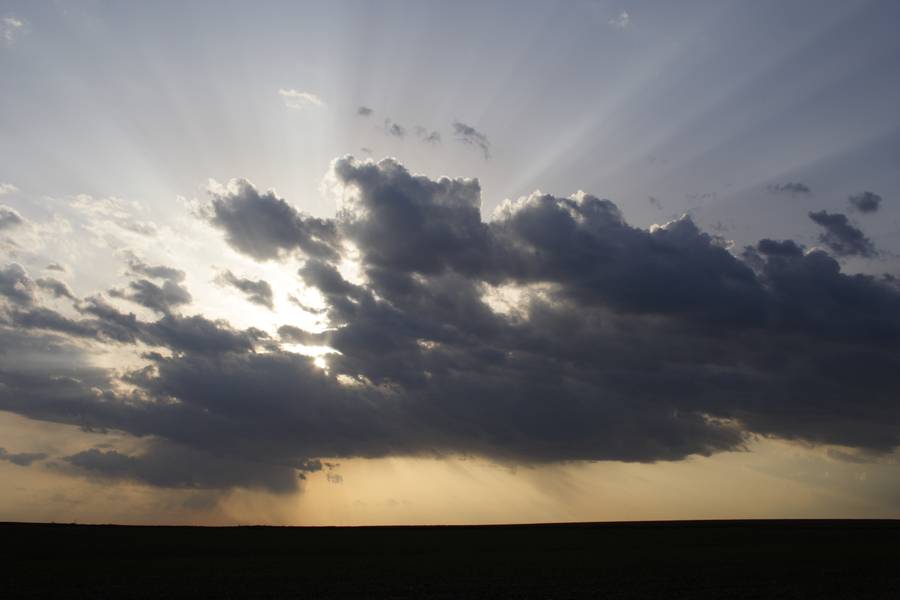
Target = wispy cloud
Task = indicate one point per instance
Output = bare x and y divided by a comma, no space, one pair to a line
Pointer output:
10,29
621,21
300,100
469,135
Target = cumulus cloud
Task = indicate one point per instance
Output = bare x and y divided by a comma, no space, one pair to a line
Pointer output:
22,459
553,331
794,188
258,292
298,100
10,218
264,226
865,202
471,136
56,287
840,236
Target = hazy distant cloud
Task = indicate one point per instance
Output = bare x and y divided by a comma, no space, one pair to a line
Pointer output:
794,188
654,202
258,292
56,287
394,129
9,218
471,136
300,100
10,29
139,267
364,111
7,188
865,202
840,236
22,459
429,137
620,21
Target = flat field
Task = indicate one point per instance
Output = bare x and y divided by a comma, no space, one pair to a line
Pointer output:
706,559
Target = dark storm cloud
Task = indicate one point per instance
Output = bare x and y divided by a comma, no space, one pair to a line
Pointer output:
794,188
263,226
22,459
173,466
617,343
364,111
840,236
471,136
9,218
865,202
258,292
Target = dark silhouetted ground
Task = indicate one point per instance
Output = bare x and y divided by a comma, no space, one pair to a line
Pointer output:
722,560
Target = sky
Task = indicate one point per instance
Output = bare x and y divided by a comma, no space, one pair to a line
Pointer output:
347,263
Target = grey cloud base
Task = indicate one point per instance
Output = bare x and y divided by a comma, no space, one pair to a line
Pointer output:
618,343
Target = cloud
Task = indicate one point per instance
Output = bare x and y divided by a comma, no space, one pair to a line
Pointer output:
258,292
10,218
429,137
7,188
173,466
16,285
364,111
263,226
300,100
840,236
552,331
621,21
794,188
11,28
655,202
394,129
471,136
55,287
23,459
865,202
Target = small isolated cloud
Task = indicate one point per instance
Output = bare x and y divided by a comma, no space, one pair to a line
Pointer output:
471,136
364,111
840,236
257,292
794,188
621,21
429,137
654,202
300,100
865,202
10,29
394,129
22,459
7,188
